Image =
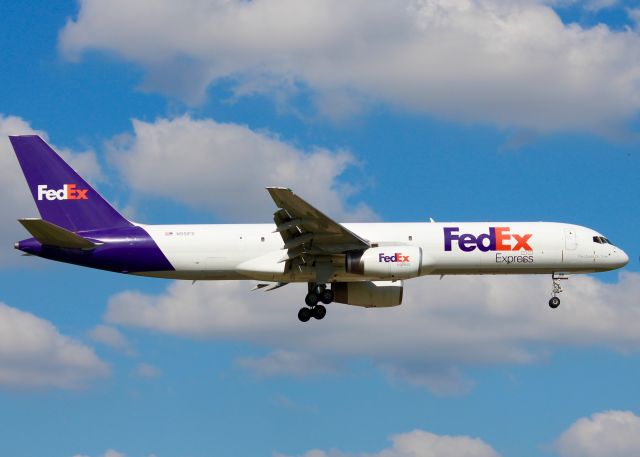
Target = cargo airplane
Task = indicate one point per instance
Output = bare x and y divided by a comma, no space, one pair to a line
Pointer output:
361,264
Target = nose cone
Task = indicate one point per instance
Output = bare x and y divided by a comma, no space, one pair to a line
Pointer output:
624,258
615,258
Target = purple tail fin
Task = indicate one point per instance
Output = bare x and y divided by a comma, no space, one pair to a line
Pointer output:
62,196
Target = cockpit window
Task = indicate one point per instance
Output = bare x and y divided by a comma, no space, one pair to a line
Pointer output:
601,240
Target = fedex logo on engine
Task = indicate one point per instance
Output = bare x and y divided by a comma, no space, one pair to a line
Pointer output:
498,239
395,258
68,192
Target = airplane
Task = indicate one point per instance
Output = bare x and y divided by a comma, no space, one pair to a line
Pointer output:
360,264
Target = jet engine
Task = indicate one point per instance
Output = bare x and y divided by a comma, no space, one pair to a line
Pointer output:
386,262
369,294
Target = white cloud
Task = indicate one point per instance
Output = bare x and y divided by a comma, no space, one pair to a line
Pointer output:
34,354
420,443
490,61
113,453
226,167
442,328
147,371
605,434
634,14
278,363
16,198
441,379
111,337
597,5
108,453
287,403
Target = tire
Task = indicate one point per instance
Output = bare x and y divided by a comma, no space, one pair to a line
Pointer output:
319,288
319,312
554,302
311,299
327,296
304,314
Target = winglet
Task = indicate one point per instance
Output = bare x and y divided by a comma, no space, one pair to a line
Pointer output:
53,235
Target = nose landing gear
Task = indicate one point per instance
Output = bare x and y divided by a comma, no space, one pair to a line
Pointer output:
317,293
554,302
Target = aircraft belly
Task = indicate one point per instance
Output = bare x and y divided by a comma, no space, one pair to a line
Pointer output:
192,275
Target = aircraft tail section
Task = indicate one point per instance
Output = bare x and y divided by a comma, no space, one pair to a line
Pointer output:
63,198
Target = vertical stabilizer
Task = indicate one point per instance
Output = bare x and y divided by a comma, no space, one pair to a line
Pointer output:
61,195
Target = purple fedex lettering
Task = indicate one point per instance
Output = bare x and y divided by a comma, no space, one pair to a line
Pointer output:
468,242
396,257
449,236
490,237
498,239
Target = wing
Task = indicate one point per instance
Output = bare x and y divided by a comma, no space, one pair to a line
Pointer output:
306,231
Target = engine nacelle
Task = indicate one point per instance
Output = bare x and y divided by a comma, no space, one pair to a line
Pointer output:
369,294
386,262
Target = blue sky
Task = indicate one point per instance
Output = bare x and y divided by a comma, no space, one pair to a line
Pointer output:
398,111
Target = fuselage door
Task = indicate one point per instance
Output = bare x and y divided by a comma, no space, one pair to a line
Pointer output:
570,241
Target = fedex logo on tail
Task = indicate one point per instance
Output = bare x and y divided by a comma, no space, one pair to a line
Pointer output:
68,192
395,258
498,239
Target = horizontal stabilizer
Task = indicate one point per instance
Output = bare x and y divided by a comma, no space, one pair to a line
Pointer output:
53,235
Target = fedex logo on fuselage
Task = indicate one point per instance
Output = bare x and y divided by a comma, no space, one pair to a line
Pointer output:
68,192
395,258
498,239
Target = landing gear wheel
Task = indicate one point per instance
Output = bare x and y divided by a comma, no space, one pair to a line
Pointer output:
311,299
556,277
319,312
554,302
319,289
304,314
326,296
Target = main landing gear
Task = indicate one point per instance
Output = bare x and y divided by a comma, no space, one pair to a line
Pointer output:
554,301
318,293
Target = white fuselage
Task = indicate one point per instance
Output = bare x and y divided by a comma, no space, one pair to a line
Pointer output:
254,251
